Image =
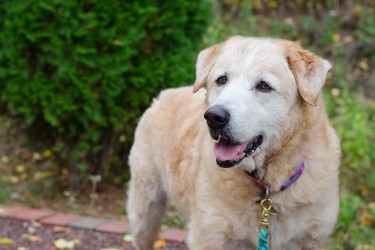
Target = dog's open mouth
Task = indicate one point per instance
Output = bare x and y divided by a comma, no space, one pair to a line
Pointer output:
229,154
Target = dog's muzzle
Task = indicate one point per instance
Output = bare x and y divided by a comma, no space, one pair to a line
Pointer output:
228,151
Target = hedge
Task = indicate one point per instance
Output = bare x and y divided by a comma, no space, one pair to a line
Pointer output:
78,74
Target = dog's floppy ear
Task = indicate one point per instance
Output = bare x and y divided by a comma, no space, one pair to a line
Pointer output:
310,72
205,61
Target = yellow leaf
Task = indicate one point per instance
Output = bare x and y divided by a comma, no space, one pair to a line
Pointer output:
42,175
36,156
4,159
76,241
46,174
47,153
58,229
336,37
63,244
128,238
160,243
366,219
33,238
22,248
335,92
20,168
363,65
14,179
6,241
117,42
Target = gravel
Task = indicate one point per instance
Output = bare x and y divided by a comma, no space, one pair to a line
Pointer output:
34,236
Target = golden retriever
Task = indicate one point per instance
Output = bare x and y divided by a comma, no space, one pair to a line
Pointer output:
216,152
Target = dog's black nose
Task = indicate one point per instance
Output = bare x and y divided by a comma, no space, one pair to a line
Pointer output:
217,117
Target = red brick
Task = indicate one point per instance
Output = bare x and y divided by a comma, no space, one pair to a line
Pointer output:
60,219
33,214
174,234
6,211
119,227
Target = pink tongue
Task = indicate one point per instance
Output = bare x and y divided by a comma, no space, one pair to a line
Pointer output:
228,152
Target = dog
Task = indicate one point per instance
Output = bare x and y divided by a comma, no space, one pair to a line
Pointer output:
259,131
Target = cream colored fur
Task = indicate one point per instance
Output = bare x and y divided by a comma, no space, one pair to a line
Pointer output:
172,156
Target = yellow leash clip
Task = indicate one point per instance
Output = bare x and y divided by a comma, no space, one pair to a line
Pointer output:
266,205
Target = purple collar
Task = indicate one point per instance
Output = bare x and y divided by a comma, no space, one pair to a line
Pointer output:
286,184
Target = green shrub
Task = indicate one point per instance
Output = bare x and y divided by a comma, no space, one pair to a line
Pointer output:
354,227
354,123
77,74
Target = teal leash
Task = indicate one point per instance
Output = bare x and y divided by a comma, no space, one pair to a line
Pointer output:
264,227
263,239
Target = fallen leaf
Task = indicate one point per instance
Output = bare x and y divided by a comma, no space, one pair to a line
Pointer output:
31,229
20,168
76,241
117,42
36,156
366,219
22,248
64,244
32,238
61,229
128,238
122,138
47,154
348,39
4,159
23,176
160,243
6,241
336,37
42,175
335,92
14,179
364,65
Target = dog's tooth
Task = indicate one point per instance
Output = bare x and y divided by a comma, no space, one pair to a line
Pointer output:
218,139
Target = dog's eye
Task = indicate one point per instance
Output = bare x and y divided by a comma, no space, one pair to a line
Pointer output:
264,87
221,80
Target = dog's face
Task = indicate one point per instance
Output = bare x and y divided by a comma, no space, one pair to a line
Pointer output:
254,92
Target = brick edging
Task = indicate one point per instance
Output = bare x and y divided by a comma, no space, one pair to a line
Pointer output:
51,218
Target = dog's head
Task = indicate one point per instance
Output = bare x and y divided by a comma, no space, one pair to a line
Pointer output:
255,92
